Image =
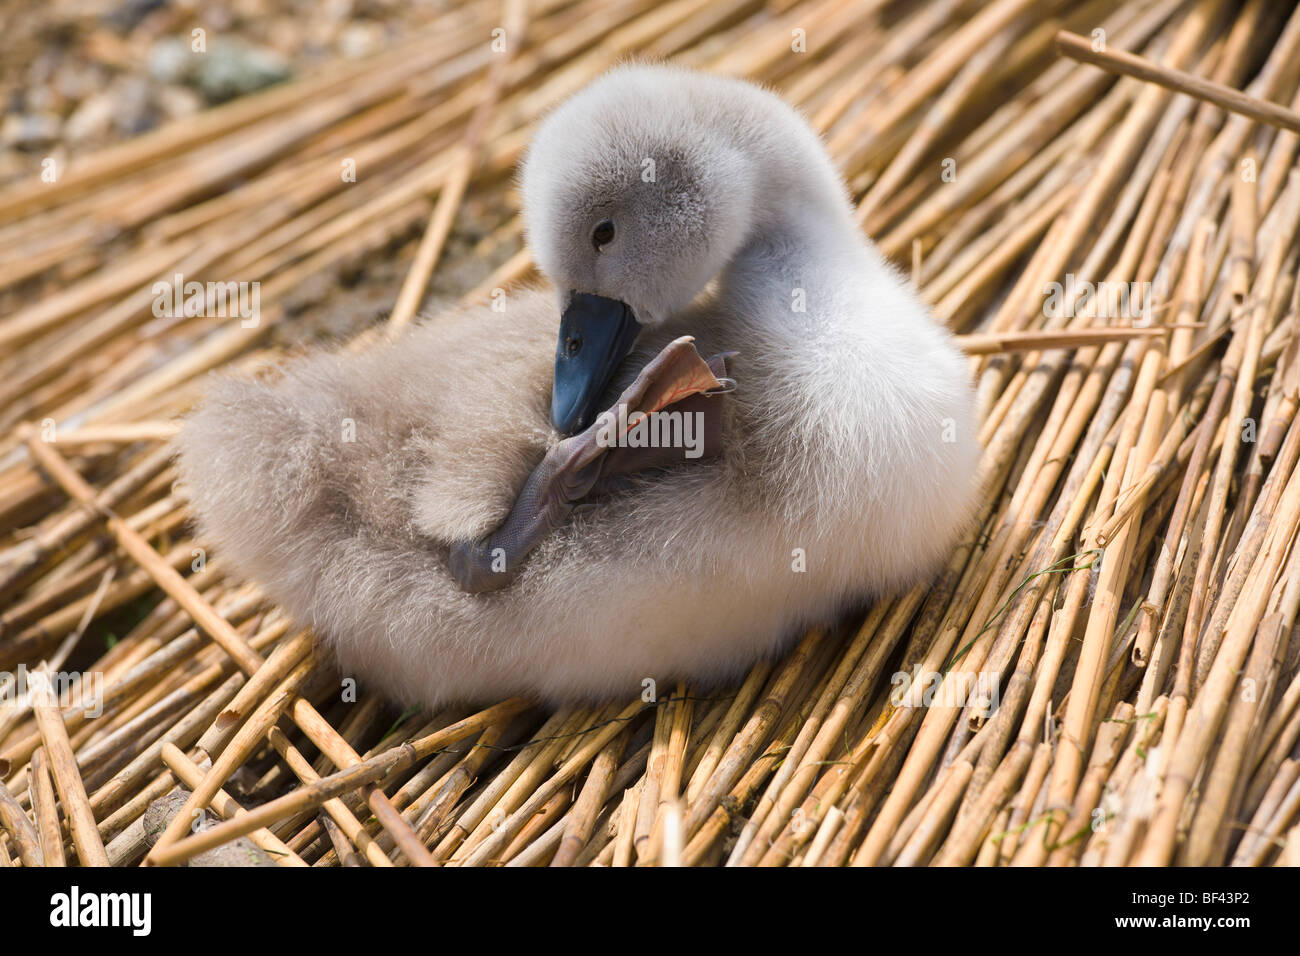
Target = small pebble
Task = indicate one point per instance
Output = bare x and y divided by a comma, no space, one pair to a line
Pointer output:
30,130
232,67
92,119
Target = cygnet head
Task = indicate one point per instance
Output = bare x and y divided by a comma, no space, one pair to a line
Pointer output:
637,192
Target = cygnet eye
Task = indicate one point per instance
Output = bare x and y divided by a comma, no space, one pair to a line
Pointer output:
603,234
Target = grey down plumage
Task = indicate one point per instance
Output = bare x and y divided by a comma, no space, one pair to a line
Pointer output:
849,449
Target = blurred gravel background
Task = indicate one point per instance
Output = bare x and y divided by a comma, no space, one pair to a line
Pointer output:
79,74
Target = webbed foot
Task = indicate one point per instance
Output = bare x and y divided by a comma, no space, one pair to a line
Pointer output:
594,460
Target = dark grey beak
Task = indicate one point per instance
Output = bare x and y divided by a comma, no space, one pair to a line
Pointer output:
596,334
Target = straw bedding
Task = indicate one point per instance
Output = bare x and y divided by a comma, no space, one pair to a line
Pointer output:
1106,673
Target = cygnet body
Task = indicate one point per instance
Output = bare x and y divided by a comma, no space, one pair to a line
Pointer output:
701,206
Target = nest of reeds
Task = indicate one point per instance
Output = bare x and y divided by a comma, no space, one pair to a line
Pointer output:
1106,673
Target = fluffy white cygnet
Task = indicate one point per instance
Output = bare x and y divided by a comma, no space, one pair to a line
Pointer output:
680,204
